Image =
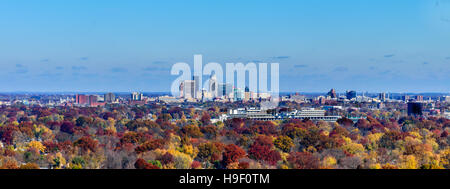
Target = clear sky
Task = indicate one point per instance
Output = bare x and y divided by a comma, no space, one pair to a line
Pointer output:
108,45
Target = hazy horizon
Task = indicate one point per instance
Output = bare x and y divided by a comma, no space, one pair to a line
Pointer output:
159,92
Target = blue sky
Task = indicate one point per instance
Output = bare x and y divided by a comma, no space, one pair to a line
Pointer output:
107,45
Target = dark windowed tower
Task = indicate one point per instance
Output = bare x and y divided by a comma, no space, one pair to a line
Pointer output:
415,109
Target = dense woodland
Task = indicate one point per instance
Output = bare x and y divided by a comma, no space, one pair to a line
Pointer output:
165,137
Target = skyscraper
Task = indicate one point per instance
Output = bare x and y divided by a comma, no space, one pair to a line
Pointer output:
213,86
382,97
405,98
197,86
419,98
181,88
247,94
135,96
238,94
93,99
110,97
415,108
224,89
332,93
187,89
322,100
81,99
351,94
447,99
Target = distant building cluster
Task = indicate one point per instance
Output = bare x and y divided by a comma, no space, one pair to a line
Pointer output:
419,105
91,100
352,96
111,98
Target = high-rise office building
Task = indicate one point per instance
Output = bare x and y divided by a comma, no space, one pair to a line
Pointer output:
405,98
332,93
419,98
224,89
86,99
204,95
93,99
110,97
135,96
382,97
351,94
380,105
197,86
187,89
322,100
447,99
238,94
415,108
181,88
213,88
81,99
247,94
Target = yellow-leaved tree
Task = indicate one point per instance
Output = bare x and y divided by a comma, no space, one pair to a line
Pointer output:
373,140
352,147
329,162
181,160
36,145
408,162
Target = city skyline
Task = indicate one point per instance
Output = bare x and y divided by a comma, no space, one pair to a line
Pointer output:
104,46
340,92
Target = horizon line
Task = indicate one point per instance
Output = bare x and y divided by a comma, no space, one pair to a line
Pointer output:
168,92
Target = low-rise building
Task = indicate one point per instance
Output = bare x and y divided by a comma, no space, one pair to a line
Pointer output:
258,114
447,115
